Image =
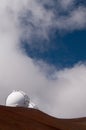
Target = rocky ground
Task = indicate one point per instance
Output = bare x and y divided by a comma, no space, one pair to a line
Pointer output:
32,119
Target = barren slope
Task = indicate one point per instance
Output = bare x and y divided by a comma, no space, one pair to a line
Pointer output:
31,119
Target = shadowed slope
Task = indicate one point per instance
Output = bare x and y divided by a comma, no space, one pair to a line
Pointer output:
31,119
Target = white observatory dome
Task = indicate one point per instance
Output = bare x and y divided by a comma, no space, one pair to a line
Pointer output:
17,98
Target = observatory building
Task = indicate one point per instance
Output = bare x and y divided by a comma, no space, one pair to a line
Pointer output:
19,99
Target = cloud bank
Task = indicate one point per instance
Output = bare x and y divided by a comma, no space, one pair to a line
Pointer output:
63,93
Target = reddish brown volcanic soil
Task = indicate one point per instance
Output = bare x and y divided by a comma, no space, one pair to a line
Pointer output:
31,119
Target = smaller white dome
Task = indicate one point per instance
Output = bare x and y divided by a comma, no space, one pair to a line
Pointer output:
17,98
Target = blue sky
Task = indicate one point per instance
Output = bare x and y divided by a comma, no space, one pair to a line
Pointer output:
66,41
62,50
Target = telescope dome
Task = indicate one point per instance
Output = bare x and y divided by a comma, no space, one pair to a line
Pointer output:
17,99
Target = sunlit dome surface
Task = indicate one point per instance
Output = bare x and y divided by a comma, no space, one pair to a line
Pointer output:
17,98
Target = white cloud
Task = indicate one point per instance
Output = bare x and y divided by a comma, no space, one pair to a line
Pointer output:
66,4
69,93
62,94
76,20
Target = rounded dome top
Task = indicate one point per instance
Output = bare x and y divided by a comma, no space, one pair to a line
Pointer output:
17,98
